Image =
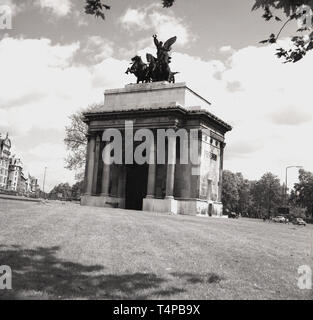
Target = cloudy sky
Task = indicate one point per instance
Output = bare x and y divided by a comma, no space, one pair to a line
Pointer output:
57,60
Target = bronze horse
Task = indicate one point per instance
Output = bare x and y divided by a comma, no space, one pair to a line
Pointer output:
157,69
153,71
139,69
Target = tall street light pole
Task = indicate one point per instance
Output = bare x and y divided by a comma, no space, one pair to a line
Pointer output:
44,181
286,180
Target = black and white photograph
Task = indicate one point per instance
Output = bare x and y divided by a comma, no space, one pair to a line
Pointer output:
156,153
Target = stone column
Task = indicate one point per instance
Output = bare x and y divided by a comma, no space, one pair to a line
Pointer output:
151,172
121,182
170,175
96,165
222,144
90,159
105,173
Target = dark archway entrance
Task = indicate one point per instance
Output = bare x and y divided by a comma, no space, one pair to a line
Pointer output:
136,185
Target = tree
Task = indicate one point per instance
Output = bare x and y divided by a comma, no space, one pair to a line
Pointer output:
236,195
245,202
230,194
300,10
77,189
302,195
76,143
267,194
63,189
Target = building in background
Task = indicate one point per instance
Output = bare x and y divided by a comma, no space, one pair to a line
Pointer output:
32,185
15,175
12,177
5,152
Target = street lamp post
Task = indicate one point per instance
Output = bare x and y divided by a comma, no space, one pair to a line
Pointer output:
286,180
44,181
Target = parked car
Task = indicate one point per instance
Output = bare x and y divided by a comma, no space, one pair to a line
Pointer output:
299,222
233,215
279,219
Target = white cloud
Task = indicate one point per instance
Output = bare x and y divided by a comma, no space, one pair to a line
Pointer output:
60,8
226,49
164,25
98,48
41,86
134,18
290,115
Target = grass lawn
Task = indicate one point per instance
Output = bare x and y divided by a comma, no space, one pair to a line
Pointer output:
59,251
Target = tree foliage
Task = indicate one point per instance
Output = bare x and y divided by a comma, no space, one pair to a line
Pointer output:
267,194
76,142
230,193
63,189
300,10
77,189
245,200
251,198
97,7
303,191
288,6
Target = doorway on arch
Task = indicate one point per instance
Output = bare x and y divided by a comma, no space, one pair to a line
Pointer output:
136,185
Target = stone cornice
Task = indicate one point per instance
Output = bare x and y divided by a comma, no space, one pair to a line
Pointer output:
124,114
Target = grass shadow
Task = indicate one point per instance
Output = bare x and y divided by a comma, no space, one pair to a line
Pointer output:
39,274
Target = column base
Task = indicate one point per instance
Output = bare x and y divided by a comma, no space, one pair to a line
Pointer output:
217,210
160,205
193,207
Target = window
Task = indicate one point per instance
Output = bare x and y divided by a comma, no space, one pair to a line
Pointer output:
213,156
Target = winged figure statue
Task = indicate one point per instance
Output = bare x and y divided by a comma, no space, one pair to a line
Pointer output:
158,68
164,49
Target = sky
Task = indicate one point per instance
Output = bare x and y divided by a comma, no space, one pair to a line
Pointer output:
56,60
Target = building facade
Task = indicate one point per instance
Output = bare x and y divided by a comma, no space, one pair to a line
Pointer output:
5,152
16,179
180,187
33,186
12,177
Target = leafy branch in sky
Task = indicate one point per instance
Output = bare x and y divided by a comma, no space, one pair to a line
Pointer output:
97,8
298,11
